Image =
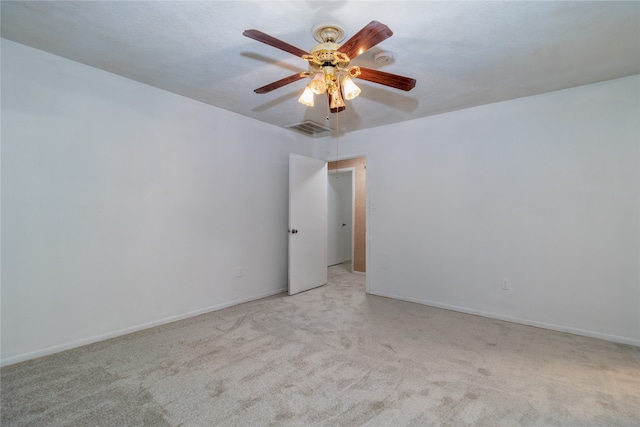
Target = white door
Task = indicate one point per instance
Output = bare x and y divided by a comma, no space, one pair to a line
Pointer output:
307,223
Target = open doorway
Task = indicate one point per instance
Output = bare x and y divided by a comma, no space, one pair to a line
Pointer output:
340,217
346,221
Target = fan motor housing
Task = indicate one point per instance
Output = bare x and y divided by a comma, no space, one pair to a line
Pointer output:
326,54
325,46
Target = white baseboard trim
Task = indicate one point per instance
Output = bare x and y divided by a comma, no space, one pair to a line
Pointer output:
102,337
513,319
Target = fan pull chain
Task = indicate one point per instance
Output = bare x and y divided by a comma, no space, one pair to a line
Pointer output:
337,138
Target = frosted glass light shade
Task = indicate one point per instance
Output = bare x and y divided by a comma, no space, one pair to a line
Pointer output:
318,85
350,88
307,97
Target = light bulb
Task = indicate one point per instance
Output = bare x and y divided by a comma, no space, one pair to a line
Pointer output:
350,88
307,97
318,85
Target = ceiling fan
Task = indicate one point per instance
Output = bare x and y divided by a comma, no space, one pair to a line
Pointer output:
329,63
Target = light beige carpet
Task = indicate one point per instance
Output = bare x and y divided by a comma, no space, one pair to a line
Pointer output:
332,356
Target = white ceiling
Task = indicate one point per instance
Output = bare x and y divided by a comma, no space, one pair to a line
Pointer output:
462,54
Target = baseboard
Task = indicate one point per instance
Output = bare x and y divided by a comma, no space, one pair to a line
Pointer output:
513,319
102,337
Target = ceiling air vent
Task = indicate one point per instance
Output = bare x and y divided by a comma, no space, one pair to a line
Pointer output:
312,129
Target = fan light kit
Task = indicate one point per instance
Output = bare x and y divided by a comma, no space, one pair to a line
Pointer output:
329,61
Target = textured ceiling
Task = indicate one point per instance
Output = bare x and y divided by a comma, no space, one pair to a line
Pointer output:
462,54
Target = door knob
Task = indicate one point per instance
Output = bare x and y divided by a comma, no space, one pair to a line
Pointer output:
294,231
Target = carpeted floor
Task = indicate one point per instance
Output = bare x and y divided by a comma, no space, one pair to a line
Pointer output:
332,356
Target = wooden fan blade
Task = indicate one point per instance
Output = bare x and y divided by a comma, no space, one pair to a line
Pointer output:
370,35
387,79
272,41
278,84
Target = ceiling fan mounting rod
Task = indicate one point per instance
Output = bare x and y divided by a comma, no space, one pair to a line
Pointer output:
328,32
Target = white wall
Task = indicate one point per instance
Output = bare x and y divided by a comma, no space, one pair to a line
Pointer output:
124,206
543,190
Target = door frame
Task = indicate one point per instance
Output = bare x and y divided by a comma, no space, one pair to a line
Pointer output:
353,208
368,203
